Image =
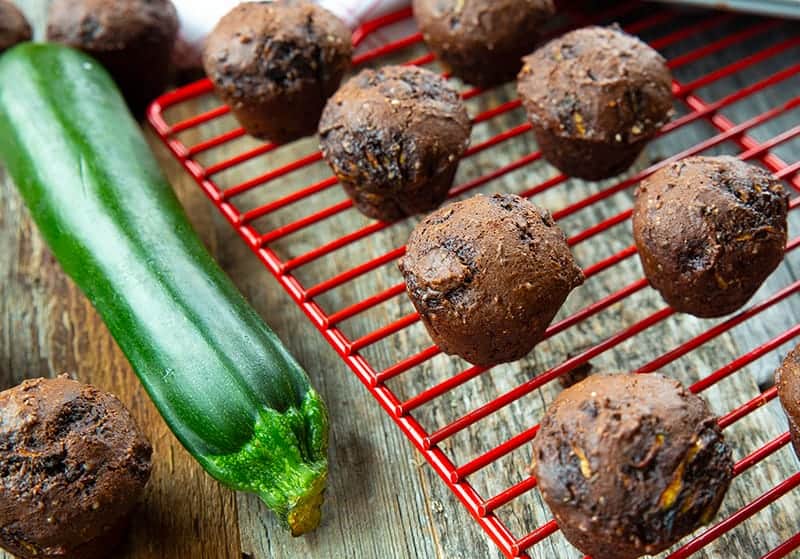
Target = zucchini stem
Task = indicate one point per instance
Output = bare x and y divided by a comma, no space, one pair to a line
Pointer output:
289,474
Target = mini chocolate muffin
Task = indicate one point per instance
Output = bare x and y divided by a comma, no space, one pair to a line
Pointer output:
787,379
276,64
394,138
482,41
595,97
630,464
14,28
487,275
133,39
72,465
709,231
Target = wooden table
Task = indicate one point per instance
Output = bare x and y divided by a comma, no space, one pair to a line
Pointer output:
383,501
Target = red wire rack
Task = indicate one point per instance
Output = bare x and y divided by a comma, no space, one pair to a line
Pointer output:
286,268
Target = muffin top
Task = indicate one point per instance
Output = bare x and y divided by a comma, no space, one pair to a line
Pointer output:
709,231
475,25
72,463
629,464
111,25
14,28
597,84
487,275
394,126
262,49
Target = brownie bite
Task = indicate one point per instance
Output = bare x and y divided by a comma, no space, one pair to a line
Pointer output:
276,64
709,231
482,41
595,97
72,466
133,39
14,28
394,137
487,275
787,379
630,464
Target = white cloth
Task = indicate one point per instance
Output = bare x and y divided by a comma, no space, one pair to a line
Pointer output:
355,12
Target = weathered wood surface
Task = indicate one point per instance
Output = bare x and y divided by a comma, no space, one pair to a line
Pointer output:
383,500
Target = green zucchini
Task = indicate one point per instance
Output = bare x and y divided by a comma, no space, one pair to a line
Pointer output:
222,380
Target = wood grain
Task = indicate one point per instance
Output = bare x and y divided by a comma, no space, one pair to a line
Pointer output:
383,501
47,327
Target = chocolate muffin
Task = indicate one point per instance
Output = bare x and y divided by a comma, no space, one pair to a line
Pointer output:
276,64
482,41
709,231
394,137
630,464
14,28
787,379
487,275
72,465
133,39
595,97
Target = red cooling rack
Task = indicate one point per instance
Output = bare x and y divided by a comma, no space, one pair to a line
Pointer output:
263,229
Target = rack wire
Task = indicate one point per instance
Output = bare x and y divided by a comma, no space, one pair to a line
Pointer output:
287,246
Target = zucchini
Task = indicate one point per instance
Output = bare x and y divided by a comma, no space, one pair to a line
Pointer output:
222,380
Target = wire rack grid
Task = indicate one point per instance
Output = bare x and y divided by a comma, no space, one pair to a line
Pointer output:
257,210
